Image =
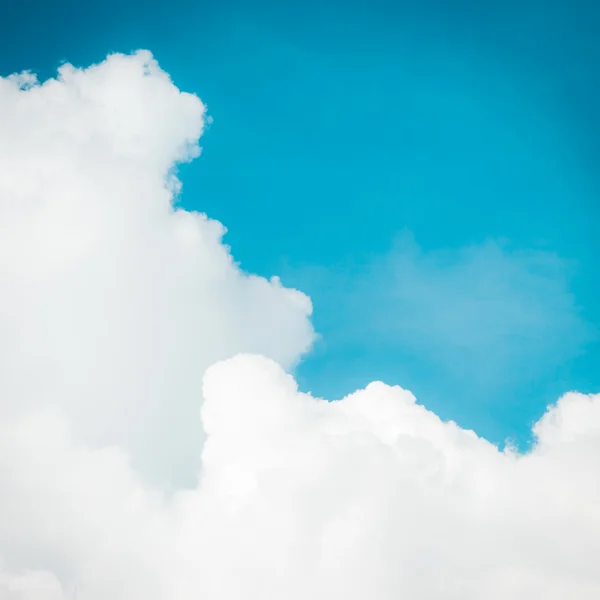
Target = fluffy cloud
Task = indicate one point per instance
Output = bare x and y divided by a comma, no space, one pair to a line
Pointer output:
371,496
112,306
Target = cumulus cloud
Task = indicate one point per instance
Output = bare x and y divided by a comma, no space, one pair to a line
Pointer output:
112,307
112,303
371,496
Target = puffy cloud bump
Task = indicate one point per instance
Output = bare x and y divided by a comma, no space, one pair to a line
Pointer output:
130,468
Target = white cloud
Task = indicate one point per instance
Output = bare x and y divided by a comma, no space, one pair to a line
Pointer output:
112,305
371,496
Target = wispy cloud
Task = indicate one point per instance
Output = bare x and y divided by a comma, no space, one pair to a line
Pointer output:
489,303
489,312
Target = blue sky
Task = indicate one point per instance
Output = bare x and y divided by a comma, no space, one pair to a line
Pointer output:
427,172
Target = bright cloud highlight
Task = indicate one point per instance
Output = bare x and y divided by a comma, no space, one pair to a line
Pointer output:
148,451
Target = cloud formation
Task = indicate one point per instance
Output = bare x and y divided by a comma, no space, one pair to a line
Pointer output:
112,304
112,307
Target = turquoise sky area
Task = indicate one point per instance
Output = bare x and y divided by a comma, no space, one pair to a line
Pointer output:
428,172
